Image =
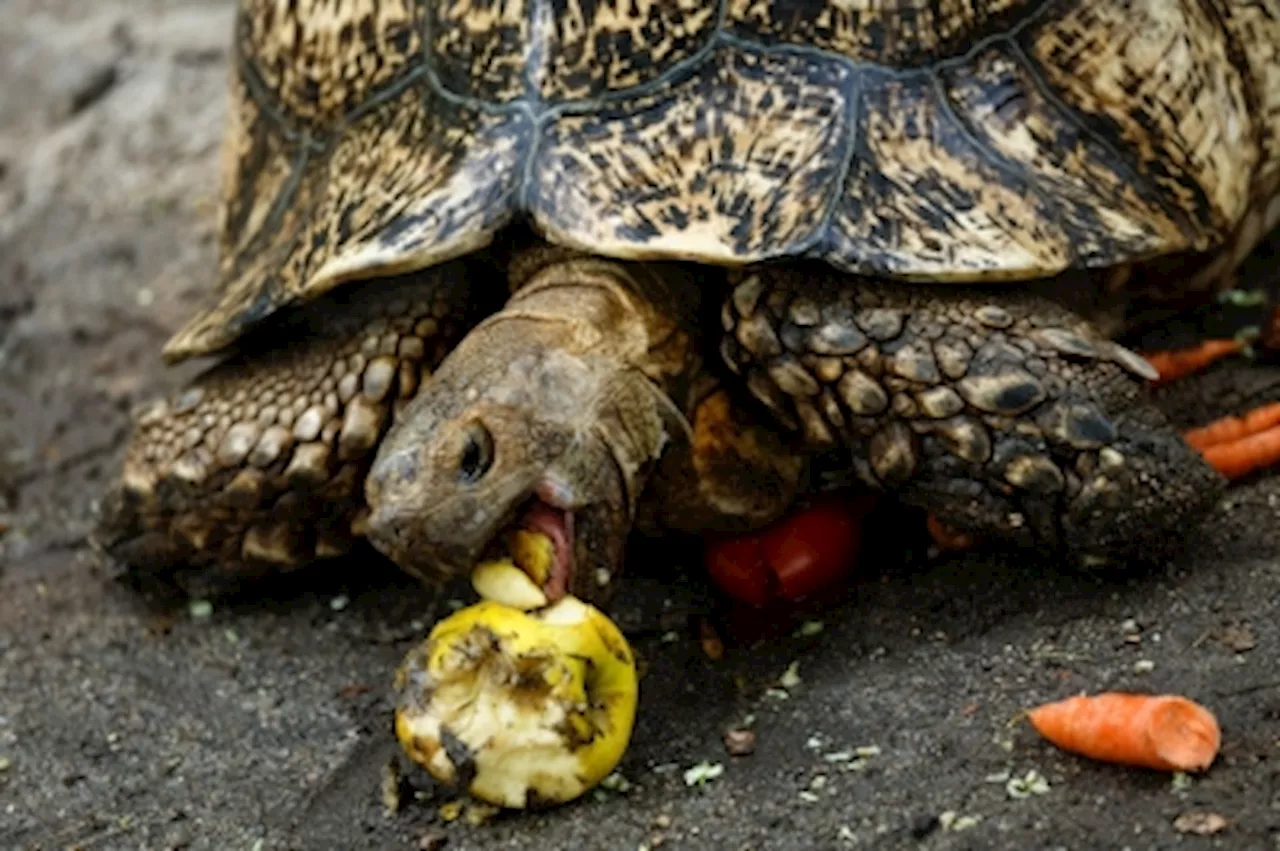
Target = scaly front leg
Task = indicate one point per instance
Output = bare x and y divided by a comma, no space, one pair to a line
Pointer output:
259,465
1001,413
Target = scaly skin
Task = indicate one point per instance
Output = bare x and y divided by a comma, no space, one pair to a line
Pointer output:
260,464
570,397
1002,413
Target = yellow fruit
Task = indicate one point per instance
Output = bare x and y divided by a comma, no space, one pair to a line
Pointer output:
517,581
503,582
523,707
533,553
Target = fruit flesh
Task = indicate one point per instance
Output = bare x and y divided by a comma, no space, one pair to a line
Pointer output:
521,580
522,707
522,699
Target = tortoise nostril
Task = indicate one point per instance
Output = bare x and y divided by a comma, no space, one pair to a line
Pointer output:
400,468
391,473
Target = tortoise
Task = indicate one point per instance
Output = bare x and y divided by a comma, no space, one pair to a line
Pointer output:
904,234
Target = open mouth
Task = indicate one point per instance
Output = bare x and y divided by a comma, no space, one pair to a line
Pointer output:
557,525
530,564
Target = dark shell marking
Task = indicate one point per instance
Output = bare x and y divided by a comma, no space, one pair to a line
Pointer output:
953,140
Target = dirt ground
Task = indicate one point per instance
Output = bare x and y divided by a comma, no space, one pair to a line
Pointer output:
127,722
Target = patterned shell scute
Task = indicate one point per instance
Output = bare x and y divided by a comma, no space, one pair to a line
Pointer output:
1100,203
1255,31
410,183
1154,78
739,160
950,140
919,198
891,33
499,51
320,59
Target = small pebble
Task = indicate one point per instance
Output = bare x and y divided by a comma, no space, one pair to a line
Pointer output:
740,742
432,840
712,645
1238,638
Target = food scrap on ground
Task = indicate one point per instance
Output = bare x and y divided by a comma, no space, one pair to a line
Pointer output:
791,676
1179,363
518,701
946,539
1031,783
795,557
1161,732
710,641
954,822
1271,334
702,773
1238,445
1199,823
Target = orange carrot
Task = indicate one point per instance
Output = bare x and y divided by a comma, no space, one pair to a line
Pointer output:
1182,362
1241,457
947,540
1229,429
1164,732
1271,337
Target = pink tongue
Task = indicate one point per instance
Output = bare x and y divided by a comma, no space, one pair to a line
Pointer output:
558,526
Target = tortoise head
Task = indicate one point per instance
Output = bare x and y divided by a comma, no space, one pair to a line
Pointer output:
515,431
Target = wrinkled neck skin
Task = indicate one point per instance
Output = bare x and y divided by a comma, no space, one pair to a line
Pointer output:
561,400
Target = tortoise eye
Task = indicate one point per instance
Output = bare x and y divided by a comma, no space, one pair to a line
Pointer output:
477,455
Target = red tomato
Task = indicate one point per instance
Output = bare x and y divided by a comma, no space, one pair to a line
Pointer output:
737,566
794,558
811,550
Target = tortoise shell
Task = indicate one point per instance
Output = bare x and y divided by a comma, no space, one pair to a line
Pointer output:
941,140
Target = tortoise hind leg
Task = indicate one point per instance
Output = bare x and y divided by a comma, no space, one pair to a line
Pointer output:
259,465
1003,414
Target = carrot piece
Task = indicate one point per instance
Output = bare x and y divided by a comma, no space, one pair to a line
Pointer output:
948,540
1164,732
1238,458
1271,337
1179,363
1231,429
